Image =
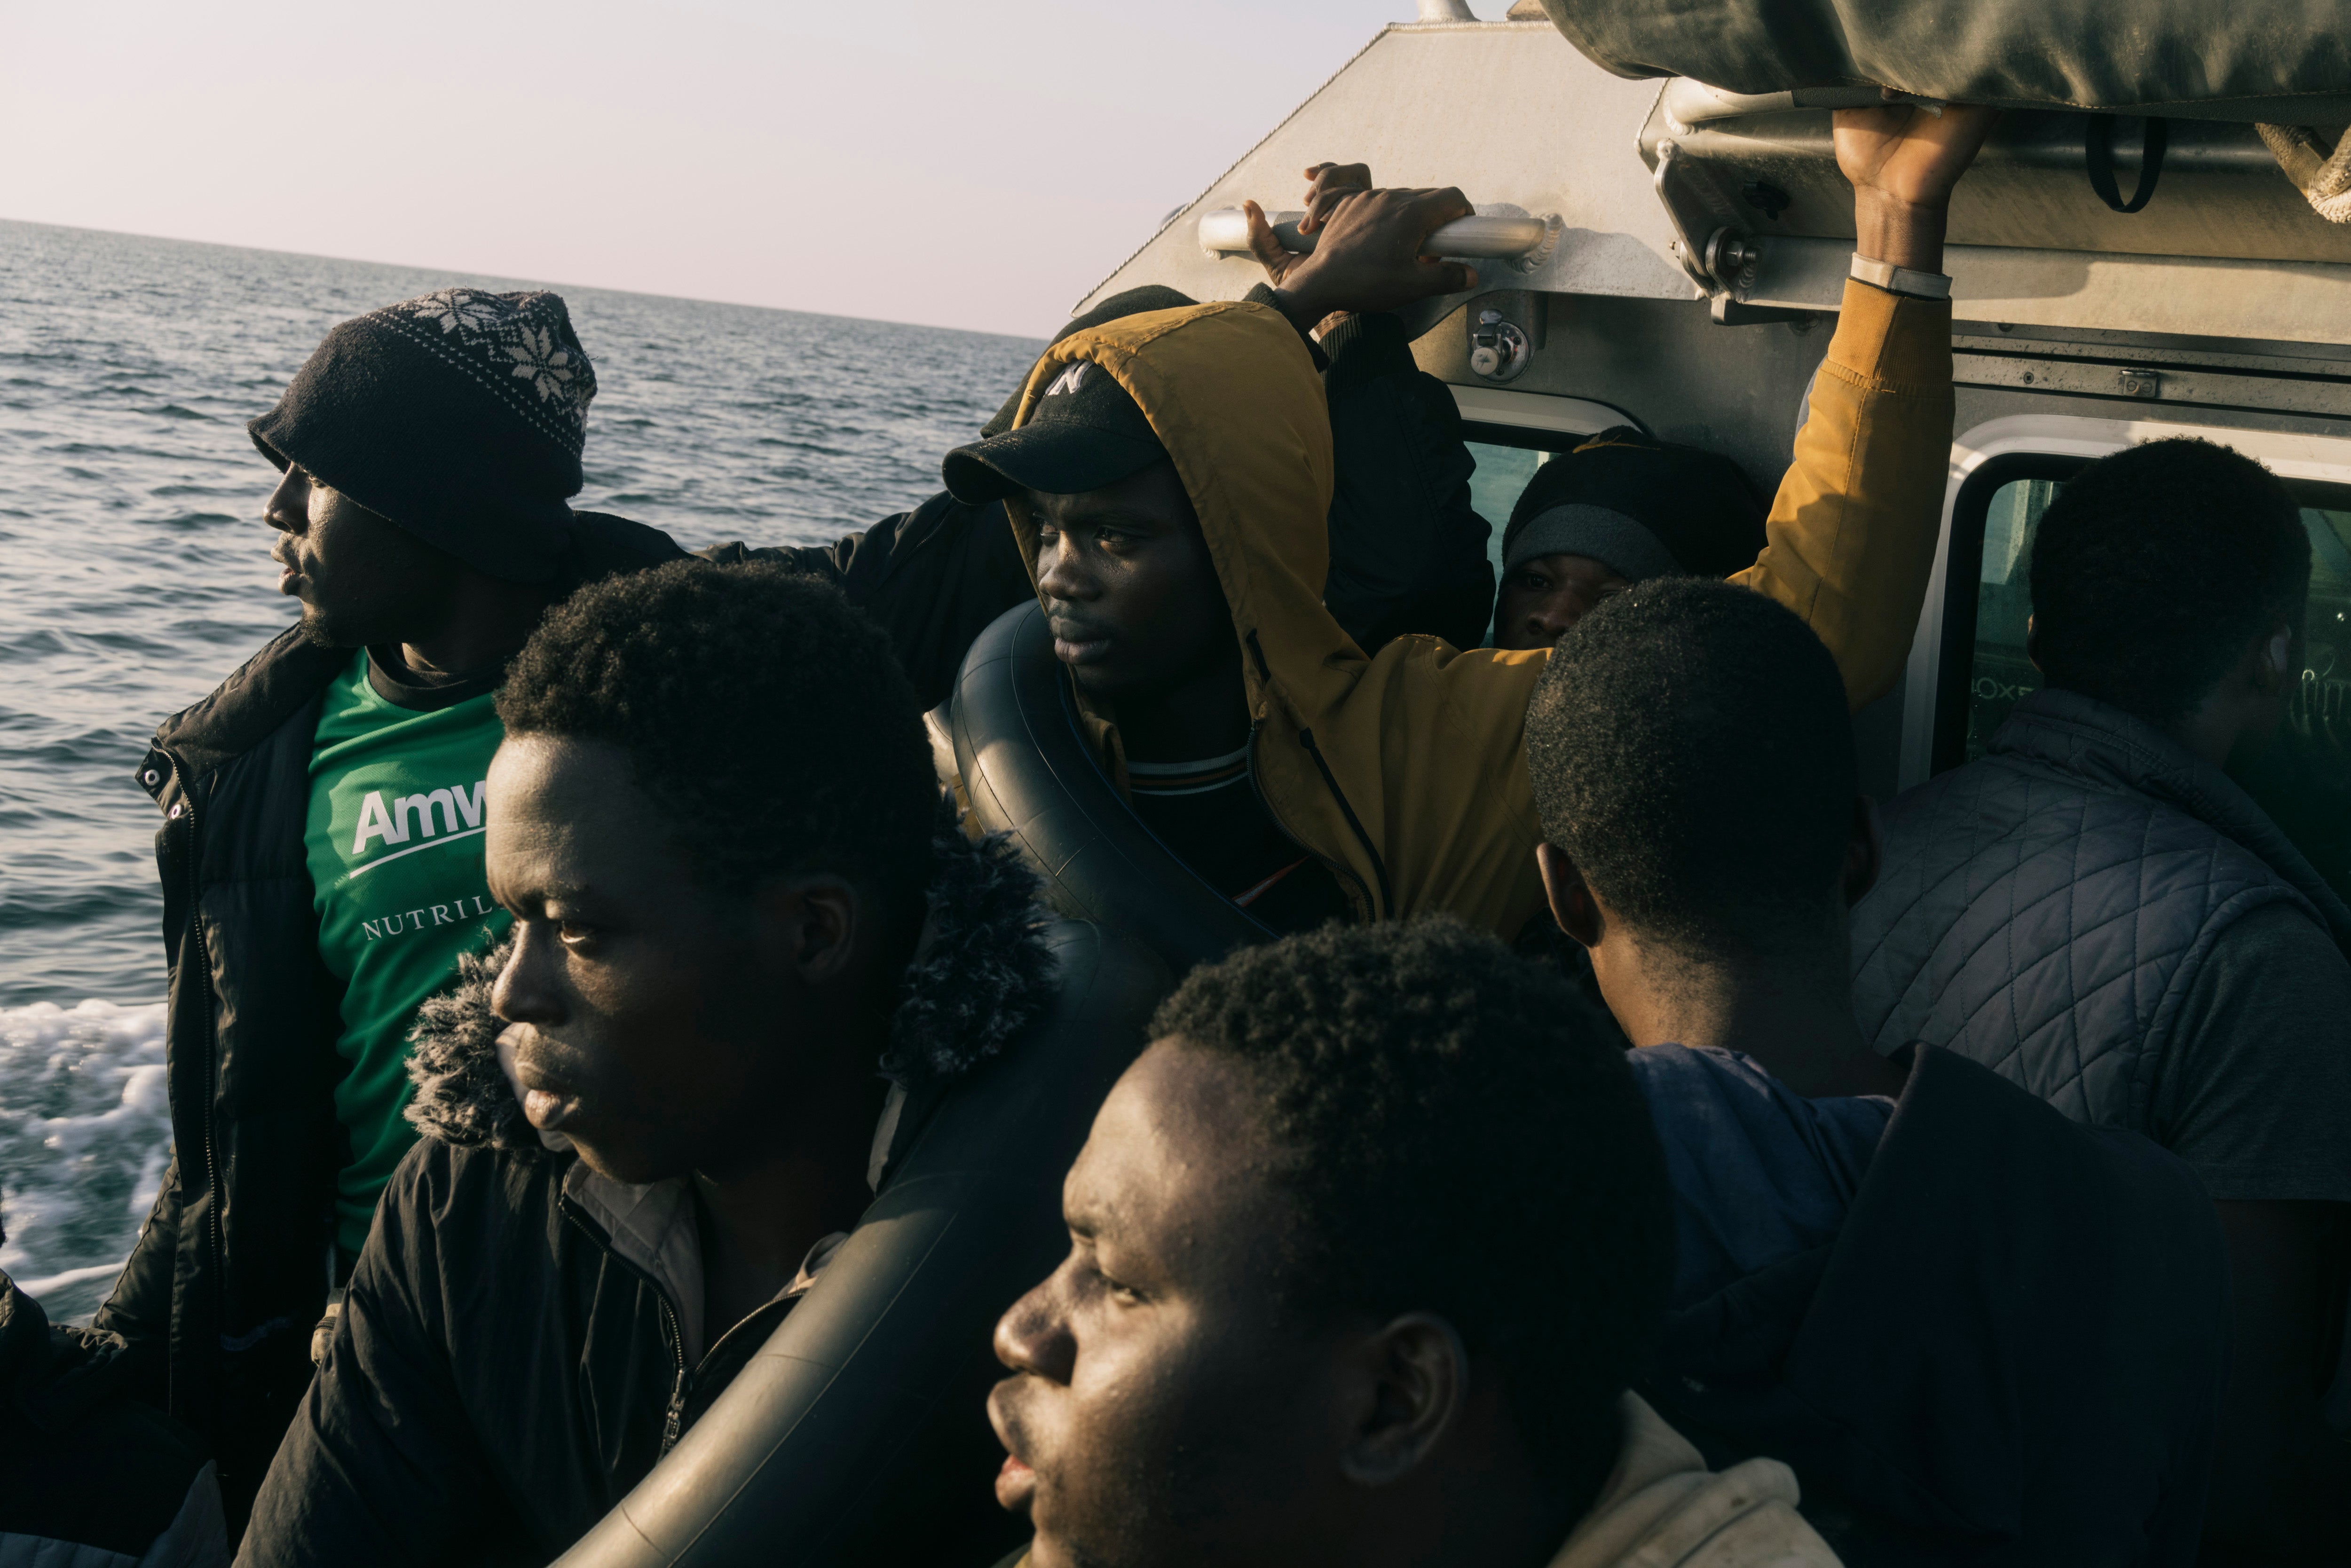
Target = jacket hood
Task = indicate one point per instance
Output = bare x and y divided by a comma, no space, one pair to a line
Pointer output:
1231,393
2103,746
1406,772
981,974
1662,1508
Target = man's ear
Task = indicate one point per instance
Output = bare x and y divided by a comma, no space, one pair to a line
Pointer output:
1572,903
2273,664
2032,642
810,925
1414,1376
1865,849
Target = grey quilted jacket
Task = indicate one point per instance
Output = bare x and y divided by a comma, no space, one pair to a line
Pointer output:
2046,909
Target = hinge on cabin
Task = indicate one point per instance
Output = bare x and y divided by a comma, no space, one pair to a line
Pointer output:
1712,241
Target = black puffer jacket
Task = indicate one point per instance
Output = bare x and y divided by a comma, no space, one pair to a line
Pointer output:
521,1339
230,1271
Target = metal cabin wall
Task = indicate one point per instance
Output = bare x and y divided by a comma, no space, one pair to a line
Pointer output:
1516,118
1738,390
1507,110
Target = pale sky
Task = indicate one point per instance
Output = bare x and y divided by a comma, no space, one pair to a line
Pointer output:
974,163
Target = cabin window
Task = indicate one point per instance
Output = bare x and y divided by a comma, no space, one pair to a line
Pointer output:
1503,473
2304,781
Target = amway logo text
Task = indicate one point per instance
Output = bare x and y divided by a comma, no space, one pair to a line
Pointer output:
411,815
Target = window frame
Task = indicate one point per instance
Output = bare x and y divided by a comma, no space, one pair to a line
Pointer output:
1963,590
2043,446
1531,420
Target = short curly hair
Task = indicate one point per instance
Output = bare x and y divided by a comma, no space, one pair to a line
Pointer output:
2155,568
1690,748
768,718
1459,1135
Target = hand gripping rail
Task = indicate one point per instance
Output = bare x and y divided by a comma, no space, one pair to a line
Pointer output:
1524,242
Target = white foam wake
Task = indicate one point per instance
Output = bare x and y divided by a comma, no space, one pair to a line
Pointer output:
85,1130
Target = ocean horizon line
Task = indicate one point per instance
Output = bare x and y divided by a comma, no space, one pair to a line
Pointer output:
460,277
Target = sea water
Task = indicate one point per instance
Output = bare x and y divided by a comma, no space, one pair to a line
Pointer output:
135,574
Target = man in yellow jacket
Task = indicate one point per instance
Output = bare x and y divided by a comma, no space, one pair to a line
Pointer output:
1168,476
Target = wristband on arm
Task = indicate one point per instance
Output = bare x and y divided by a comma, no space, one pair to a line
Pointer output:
1901,279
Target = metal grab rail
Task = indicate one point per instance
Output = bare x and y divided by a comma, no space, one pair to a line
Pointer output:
1225,232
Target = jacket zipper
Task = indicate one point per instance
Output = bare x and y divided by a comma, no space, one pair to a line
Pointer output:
674,1415
1306,736
215,1232
1379,866
1349,883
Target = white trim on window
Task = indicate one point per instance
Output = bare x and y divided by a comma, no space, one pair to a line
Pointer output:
1538,411
2320,457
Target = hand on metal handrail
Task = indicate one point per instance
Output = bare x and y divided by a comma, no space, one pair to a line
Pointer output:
1225,232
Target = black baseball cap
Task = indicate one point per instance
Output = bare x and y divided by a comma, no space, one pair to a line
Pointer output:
1085,432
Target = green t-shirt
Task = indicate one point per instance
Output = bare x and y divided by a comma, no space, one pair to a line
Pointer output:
394,845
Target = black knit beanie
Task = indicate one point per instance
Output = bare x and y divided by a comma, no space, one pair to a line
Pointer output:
459,417
1646,508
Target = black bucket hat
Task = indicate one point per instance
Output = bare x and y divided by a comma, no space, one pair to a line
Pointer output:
460,416
1644,508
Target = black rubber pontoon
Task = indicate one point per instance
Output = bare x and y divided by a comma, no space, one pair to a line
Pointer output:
858,1434
1029,772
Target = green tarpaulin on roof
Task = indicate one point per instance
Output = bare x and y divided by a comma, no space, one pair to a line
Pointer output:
2233,59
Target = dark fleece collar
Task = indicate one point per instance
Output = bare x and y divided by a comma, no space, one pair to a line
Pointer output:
981,975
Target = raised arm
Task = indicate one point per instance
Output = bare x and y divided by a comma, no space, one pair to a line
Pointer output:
932,578
1408,547
1852,533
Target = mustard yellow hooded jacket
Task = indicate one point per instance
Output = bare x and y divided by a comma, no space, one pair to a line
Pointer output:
1406,772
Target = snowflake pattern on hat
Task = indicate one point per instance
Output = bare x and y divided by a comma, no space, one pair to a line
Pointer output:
455,308
520,346
542,362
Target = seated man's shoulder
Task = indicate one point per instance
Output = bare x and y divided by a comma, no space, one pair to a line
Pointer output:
470,1196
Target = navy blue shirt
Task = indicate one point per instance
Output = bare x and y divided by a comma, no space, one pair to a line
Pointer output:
1760,1172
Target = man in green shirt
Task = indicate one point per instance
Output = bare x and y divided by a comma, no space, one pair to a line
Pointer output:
394,847
321,848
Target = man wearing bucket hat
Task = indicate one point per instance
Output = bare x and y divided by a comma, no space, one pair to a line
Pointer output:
322,851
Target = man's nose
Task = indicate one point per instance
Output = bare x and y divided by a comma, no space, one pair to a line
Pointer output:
1061,573
1033,1336
524,990
288,506
1553,614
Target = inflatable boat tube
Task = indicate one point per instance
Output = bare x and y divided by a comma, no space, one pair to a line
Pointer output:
859,1434
1029,772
